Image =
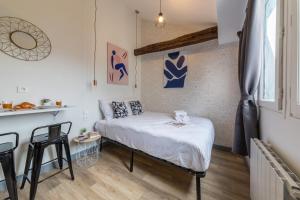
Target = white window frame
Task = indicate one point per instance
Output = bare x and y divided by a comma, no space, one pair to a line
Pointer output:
276,105
294,57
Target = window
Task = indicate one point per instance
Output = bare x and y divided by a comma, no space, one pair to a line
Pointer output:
269,51
270,93
294,57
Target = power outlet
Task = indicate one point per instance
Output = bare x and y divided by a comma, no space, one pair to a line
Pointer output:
22,89
85,115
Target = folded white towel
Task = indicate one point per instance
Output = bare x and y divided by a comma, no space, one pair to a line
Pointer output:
181,116
180,112
184,119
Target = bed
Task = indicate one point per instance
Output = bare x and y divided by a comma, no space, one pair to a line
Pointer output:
154,134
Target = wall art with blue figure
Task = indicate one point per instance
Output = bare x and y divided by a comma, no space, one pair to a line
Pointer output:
117,65
175,70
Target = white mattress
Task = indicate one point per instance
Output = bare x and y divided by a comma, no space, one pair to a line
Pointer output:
188,146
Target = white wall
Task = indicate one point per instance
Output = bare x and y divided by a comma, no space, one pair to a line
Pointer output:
231,16
211,88
67,73
283,133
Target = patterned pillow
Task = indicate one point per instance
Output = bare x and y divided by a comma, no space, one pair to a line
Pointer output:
136,107
120,109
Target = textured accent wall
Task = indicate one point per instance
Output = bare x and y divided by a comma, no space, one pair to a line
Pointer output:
211,89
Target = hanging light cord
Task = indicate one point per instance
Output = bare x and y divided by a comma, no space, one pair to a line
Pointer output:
136,45
160,6
95,38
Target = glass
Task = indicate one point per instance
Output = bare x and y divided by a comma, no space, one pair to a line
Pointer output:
58,103
7,105
269,67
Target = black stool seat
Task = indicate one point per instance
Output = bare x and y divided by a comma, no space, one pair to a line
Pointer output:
8,164
38,143
5,147
44,138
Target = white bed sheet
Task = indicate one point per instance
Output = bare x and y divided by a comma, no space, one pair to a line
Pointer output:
189,146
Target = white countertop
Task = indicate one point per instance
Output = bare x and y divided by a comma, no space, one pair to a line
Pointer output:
33,111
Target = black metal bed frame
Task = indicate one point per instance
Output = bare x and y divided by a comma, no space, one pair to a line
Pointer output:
199,175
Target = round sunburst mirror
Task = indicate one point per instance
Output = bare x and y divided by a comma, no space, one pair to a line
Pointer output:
22,40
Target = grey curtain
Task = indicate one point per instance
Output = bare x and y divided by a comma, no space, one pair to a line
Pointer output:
250,51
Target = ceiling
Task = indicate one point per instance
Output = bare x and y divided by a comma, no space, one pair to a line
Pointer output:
231,15
194,12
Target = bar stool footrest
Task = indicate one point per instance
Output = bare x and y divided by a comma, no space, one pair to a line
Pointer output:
54,174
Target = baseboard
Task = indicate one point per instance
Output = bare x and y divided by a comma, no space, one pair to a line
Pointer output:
247,162
222,148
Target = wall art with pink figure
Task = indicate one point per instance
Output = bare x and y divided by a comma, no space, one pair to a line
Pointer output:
117,65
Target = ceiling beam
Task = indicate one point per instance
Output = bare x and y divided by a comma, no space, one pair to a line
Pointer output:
185,40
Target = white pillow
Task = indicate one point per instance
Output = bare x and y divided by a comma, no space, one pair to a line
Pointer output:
128,108
106,108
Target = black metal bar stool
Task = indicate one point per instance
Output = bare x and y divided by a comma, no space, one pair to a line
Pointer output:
8,165
38,143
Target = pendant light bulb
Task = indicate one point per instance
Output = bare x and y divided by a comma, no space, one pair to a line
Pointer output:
161,18
160,21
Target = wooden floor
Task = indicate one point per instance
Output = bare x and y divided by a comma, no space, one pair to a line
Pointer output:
109,179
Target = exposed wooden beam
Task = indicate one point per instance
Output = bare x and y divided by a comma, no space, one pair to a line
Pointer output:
185,40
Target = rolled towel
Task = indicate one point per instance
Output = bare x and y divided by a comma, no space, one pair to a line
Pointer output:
180,112
181,116
184,119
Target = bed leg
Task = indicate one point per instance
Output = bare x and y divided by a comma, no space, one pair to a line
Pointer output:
198,186
131,161
101,144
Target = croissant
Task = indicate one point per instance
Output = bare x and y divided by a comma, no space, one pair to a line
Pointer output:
24,105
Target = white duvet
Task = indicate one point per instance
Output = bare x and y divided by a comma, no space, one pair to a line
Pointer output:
188,146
